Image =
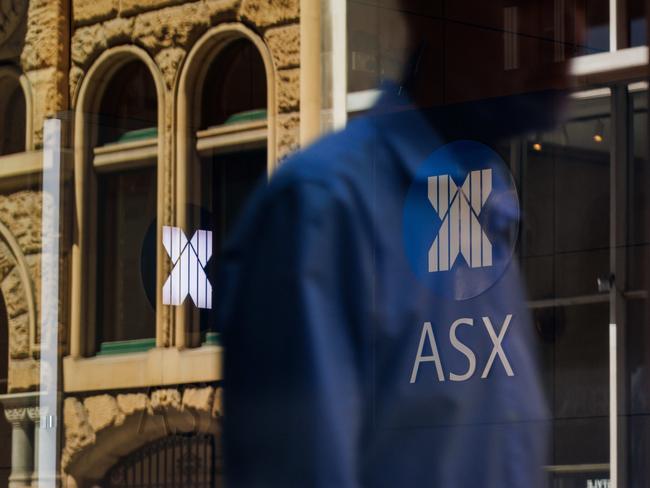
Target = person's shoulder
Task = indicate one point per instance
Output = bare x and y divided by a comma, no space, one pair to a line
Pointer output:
341,159
328,179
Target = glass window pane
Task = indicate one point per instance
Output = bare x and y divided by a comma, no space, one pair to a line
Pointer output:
595,15
564,250
637,22
127,209
129,107
234,85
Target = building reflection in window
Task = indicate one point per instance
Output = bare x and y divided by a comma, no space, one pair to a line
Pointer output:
232,149
564,250
126,207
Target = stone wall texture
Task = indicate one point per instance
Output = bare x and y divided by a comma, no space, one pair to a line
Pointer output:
44,59
20,216
284,43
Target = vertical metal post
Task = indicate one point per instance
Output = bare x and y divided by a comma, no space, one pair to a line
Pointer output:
618,25
621,130
613,409
49,377
613,25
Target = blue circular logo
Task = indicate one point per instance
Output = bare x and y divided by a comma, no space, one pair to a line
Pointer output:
461,220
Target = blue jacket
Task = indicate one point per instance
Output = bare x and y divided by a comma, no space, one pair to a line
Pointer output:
324,317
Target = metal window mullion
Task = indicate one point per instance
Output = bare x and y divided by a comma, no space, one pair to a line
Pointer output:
618,25
619,164
613,25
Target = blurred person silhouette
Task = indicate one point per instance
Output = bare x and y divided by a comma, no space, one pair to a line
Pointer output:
375,325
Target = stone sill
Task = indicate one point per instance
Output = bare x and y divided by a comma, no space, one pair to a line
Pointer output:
131,154
156,367
21,170
226,138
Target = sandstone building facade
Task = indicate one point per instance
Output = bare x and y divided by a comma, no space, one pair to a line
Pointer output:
137,85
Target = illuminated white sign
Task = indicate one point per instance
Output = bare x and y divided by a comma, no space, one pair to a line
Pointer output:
460,232
598,483
188,275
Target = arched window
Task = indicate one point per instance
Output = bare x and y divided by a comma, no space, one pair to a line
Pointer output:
229,122
233,102
13,116
124,162
128,107
235,86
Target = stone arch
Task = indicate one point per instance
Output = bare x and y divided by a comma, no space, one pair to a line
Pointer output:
94,82
193,72
101,429
13,74
18,293
86,102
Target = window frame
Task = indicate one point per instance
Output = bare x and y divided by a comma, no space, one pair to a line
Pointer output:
192,144
92,160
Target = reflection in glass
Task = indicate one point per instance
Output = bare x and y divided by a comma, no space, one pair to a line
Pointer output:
127,207
637,24
231,149
564,249
126,210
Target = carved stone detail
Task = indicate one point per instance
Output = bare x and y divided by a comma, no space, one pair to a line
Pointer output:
34,414
169,60
16,415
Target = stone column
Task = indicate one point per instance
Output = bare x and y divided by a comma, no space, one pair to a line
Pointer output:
34,415
22,454
310,70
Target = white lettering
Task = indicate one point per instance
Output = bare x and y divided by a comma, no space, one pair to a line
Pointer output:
459,346
427,333
601,483
497,349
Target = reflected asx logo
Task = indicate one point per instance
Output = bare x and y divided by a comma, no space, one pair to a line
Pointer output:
460,231
461,219
188,276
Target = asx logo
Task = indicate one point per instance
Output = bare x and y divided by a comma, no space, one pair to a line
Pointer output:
461,220
428,338
460,232
188,275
